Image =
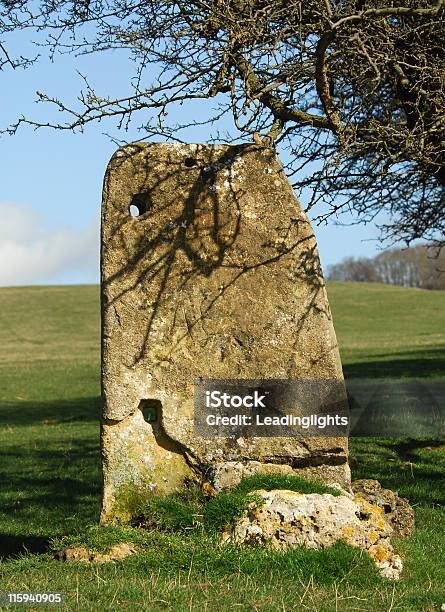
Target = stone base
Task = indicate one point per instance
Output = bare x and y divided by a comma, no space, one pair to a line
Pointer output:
282,519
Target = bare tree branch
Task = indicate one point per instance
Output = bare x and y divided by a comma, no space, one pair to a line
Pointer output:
352,90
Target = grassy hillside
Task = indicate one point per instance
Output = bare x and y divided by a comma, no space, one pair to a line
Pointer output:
50,469
50,341
389,331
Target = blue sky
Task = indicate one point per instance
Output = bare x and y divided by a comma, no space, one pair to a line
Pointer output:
51,181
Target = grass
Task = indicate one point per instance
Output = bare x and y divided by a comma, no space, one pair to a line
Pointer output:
50,472
388,331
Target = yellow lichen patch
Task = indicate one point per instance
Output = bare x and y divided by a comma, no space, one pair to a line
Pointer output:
367,506
379,553
209,490
372,509
381,524
360,500
374,536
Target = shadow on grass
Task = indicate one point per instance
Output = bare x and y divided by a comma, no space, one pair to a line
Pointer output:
18,413
408,449
12,546
416,364
413,467
51,480
50,492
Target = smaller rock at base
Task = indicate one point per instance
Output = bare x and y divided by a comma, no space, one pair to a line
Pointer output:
80,553
282,519
389,566
398,512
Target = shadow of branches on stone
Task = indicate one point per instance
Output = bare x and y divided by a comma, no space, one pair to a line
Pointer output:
188,226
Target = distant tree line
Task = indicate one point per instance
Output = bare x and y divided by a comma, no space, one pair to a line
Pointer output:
419,266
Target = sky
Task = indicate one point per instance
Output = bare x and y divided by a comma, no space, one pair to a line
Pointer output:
51,181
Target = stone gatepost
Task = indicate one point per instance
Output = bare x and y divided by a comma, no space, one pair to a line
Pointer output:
210,270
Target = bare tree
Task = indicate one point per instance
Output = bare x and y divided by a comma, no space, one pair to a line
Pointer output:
356,269
420,266
353,89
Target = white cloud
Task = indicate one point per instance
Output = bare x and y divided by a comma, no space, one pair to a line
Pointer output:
32,254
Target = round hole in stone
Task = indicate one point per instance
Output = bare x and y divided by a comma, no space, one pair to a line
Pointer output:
139,205
189,162
134,211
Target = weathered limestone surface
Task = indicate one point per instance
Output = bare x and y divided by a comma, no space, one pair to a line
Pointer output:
284,519
218,277
397,510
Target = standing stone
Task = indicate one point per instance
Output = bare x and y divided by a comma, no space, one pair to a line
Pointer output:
209,270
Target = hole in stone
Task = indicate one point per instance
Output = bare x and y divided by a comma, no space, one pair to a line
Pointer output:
134,210
151,409
190,162
152,412
138,205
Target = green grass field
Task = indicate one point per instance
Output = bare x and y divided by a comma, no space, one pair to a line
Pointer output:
50,471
